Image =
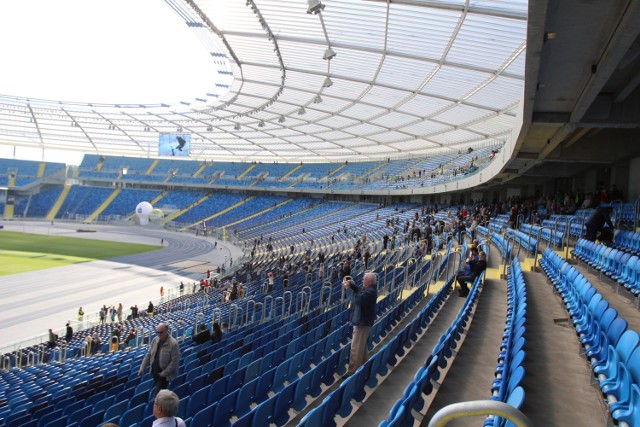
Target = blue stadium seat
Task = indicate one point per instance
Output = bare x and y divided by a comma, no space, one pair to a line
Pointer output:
218,389
116,410
225,410
263,386
245,398
92,420
204,418
631,414
132,415
282,405
264,413
198,401
59,422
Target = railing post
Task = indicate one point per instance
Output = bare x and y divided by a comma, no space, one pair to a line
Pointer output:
507,256
287,312
535,256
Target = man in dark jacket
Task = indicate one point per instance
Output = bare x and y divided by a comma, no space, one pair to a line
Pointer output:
363,315
596,222
477,267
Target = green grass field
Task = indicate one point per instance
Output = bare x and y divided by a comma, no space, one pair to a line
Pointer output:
20,252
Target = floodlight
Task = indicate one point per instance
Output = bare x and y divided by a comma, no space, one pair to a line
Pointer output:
327,82
317,100
237,126
329,54
301,111
261,123
281,119
315,6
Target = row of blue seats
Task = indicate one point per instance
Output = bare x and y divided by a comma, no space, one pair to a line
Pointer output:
400,414
526,241
294,395
128,372
621,266
338,402
509,371
551,236
503,247
611,348
628,241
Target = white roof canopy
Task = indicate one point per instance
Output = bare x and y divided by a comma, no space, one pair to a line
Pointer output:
353,80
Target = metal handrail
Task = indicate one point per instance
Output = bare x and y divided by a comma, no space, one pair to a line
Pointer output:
199,319
322,296
618,218
479,407
568,231
284,298
535,255
267,299
455,269
508,250
636,207
250,303
275,308
308,304
258,308
216,317
232,320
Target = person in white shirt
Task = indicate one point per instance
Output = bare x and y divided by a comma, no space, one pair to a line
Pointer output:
165,408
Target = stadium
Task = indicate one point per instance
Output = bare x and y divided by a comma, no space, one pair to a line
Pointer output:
382,141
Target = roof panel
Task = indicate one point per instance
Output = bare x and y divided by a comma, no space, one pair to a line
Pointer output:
406,79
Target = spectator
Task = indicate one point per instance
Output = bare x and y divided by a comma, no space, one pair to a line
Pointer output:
203,335
53,338
596,223
476,269
363,315
96,343
114,345
165,409
69,334
270,279
150,309
217,333
345,270
163,357
130,337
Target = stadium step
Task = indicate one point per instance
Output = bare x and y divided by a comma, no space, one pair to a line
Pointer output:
56,206
557,380
104,205
378,403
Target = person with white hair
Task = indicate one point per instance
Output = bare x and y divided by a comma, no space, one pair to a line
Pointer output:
163,356
165,409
